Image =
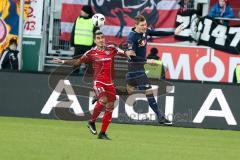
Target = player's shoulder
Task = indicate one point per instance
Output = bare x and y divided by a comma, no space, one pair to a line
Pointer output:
89,52
132,35
111,47
149,30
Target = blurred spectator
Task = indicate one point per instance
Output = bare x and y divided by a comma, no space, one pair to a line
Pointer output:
82,33
9,59
153,54
186,5
236,75
222,9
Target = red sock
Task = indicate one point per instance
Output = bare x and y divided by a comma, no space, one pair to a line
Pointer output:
107,117
96,111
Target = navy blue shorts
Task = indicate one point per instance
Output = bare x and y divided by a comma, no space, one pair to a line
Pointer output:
138,80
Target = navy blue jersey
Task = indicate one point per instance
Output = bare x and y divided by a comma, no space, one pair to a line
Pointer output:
138,43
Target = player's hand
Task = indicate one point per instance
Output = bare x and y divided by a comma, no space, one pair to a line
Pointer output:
57,60
178,30
130,53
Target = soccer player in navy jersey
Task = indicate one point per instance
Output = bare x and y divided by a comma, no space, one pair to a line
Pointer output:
136,78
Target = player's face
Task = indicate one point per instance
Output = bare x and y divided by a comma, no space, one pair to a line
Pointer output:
141,27
222,3
100,40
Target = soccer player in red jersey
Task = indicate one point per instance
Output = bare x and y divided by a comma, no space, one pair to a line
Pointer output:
101,58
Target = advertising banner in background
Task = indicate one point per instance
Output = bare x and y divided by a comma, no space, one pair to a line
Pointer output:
196,63
160,14
208,32
219,36
9,20
32,35
33,22
189,104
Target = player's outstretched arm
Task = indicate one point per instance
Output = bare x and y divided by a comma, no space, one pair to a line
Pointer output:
178,30
57,60
73,62
120,52
164,33
127,53
159,33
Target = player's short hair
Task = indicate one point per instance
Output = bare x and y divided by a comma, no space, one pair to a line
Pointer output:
97,32
139,18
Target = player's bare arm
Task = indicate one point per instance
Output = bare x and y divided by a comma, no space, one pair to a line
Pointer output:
73,62
178,30
125,53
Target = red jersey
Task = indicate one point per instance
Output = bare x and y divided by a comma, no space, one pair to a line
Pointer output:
102,63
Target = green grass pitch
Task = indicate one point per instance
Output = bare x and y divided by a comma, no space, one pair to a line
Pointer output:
38,139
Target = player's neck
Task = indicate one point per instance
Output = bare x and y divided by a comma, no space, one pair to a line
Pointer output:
138,31
100,47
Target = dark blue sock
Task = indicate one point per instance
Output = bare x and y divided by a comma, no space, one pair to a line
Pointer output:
153,104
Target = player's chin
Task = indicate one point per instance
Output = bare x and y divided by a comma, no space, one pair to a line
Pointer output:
101,45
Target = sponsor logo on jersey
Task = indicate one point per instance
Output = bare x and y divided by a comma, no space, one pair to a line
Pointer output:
142,42
107,52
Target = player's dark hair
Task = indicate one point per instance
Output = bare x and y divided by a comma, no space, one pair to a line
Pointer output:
97,32
139,18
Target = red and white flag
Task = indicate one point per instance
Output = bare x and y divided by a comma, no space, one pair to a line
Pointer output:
160,15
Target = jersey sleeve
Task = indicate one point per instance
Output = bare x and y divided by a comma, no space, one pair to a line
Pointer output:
86,57
114,50
158,33
130,42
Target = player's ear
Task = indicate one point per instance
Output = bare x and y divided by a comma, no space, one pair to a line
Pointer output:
94,40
